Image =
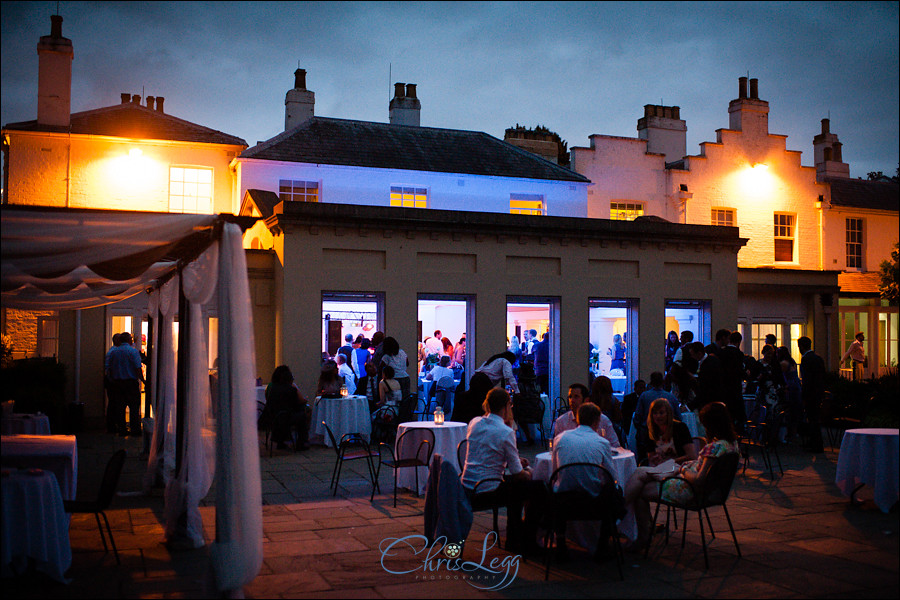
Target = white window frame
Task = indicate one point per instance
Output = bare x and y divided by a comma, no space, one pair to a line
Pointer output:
625,210
527,204
785,228
50,342
722,216
854,238
409,196
299,190
189,190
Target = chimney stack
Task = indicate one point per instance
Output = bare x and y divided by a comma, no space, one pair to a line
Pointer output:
754,89
55,55
664,130
827,153
404,108
747,113
136,99
742,87
299,102
126,97
159,104
826,125
151,101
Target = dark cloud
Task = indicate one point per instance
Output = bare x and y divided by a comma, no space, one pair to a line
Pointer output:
578,67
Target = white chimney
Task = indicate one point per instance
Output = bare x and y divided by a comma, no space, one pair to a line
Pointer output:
299,103
664,130
55,54
827,154
747,112
404,108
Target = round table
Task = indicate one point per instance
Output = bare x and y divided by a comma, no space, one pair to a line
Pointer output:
870,457
343,415
55,453
35,525
446,438
586,533
25,424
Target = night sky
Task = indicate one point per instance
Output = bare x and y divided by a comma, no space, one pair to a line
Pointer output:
579,68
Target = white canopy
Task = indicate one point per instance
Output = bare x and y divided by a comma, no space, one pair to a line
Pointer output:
60,259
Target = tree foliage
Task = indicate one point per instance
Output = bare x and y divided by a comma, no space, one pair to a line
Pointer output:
543,133
890,277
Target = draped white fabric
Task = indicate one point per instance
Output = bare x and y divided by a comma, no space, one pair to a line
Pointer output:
236,555
58,260
184,492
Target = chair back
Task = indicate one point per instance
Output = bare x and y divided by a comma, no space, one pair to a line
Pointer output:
583,502
415,443
407,408
719,479
334,443
446,383
111,479
461,451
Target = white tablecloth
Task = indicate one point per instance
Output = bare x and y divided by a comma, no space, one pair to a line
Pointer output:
343,415
446,438
586,533
55,453
870,456
35,525
25,424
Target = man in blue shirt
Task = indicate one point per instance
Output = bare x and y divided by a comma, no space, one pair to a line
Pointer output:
123,367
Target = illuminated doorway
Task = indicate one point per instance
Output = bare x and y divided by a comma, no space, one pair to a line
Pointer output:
613,346
350,313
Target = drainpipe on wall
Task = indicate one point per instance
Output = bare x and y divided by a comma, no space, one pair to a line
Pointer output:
77,356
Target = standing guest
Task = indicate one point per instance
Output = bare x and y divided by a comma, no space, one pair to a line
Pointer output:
361,356
491,453
287,408
709,375
582,485
468,403
434,345
770,380
377,350
629,404
447,348
578,395
389,389
346,373
682,356
793,396
530,338
682,385
668,438
347,348
368,386
123,363
812,379
771,340
643,487
396,358
857,353
330,381
542,363
459,354
733,374
112,401
516,349
499,369
617,354
602,396
672,346
721,340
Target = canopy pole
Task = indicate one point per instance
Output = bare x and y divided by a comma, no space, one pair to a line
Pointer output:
181,386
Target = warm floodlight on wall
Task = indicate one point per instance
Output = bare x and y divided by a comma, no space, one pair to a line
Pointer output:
135,153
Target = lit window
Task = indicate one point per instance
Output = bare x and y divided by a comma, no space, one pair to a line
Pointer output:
625,211
409,197
526,204
784,237
48,336
190,190
298,191
854,243
722,216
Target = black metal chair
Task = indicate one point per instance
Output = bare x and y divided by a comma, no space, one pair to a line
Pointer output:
578,505
712,492
481,500
104,498
407,410
384,424
352,446
762,432
533,416
408,455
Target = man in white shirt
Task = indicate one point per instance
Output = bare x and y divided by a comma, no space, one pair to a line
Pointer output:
499,369
583,486
578,393
435,345
346,372
491,452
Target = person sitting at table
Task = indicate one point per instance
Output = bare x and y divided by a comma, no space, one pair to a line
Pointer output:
578,395
667,437
468,403
499,369
347,374
330,381
492,453
602,396
368,386
287,408
389,391
438,372
643,487
582,484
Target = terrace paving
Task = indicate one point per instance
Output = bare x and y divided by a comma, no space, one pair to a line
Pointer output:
800,538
